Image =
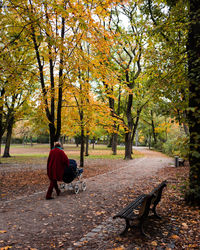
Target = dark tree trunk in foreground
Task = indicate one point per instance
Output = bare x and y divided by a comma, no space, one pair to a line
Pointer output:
192,195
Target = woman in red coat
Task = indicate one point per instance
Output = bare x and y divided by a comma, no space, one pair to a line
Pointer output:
56,164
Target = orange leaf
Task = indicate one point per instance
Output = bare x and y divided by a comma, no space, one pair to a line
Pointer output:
175,237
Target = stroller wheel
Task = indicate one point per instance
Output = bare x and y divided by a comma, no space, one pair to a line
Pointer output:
76,189
62,185
83,185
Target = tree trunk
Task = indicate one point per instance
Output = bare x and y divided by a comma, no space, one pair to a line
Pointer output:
86,145
2,127
115,135
128,134
149,139
52,134
0,148
82,147
113,139
136,138
192,195
114,143
109,142
186,130
135,127
93,142
153,129
128,146
1,132
8,138
60,85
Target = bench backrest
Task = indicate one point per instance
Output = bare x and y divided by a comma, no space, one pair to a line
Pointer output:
157,193
145,206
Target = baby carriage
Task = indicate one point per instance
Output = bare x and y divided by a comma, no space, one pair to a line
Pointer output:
72,173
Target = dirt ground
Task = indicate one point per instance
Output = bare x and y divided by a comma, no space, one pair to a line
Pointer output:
84,220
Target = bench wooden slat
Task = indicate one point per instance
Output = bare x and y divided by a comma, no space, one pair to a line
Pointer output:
143,209
128,209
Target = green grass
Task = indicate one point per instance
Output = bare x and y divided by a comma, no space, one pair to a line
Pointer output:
30,155
118,156
28,146
42,158
66,146
99,152
23,159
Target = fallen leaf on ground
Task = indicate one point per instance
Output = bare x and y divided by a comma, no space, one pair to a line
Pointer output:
5,248
154,243
185,226
175,237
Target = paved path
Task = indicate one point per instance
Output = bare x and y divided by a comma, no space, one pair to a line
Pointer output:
70,220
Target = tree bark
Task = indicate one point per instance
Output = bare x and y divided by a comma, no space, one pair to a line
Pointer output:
82,142
114,143
109,144
153,129
113,139
8,138
192,195
128,135
60,85
86,145
93,142
0,148
2,129
52,134
135,125
128,146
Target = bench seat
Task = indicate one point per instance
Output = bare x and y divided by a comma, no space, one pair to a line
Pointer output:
127,211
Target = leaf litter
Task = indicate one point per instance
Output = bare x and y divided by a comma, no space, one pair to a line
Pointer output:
178,229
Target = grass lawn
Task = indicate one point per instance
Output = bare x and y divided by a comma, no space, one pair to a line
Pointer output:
39,153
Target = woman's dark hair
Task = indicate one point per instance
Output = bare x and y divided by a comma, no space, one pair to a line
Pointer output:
57,144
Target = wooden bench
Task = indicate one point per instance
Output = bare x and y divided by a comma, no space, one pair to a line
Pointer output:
138,210
181,162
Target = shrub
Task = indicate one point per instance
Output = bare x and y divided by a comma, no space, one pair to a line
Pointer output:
177,145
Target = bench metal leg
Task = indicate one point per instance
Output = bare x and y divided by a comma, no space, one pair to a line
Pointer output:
155,213
126,228
142,230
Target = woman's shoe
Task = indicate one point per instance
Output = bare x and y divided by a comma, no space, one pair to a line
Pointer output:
49,198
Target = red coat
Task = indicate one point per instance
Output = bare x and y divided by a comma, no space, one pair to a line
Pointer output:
57,162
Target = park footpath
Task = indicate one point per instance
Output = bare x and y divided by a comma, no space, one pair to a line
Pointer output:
75,221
